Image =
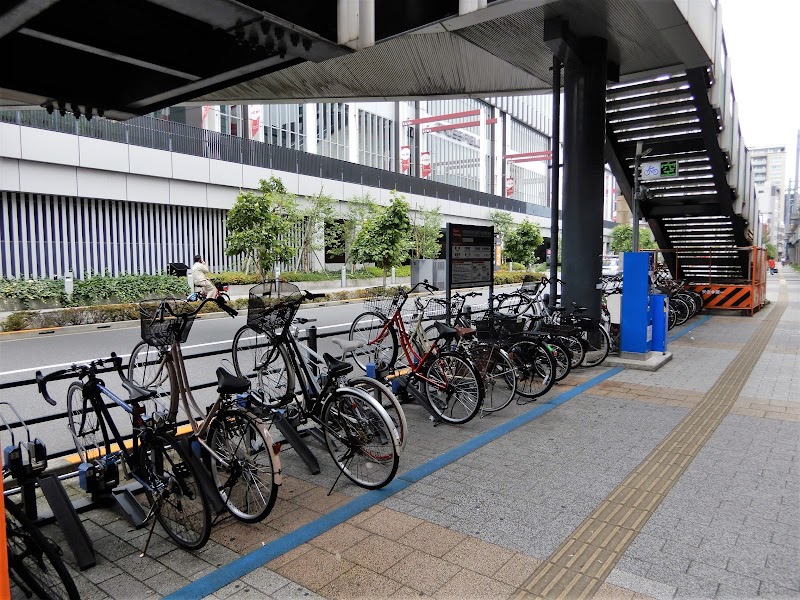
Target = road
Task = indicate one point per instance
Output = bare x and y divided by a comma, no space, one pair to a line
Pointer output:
21,358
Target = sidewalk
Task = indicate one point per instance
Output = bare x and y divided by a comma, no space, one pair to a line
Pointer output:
680,483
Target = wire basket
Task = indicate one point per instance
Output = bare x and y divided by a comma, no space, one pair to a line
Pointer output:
384,300
164,322
272,306
584,323
495,326
565,330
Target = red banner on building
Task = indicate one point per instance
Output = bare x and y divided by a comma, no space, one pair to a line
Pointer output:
405,158
509,186
425,164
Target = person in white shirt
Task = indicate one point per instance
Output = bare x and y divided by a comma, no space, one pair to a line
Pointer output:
200,274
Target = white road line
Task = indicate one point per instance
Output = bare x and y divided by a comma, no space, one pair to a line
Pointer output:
86,360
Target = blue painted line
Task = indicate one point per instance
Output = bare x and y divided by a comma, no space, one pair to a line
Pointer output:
249,562
697,323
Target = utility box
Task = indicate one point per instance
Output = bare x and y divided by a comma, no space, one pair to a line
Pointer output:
637,326
177,268
659,307
432,269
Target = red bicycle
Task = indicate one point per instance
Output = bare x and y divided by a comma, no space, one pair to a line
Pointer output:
445,382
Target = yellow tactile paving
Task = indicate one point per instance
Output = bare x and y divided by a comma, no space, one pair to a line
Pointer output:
578,568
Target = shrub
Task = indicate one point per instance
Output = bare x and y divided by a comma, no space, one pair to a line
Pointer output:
505,278
16,321
517,267
27,291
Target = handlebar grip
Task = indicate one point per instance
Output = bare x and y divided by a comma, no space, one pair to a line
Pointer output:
224,306
41,381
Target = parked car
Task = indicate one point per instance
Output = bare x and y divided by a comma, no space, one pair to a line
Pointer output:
611,265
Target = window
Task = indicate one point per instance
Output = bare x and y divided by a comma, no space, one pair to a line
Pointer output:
332,130
375,141
284,126
230,119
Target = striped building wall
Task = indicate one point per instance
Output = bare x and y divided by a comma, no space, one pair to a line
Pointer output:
45,235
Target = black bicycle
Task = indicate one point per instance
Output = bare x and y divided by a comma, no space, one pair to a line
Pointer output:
157,460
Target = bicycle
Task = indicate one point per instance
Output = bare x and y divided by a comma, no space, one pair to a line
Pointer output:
498,372
360,436
35,564
156,459
452,388
238,448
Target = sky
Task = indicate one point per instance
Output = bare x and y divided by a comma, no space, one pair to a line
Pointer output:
763,42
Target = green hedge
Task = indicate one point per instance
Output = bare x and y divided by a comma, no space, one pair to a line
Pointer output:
94,290
506,277
239,278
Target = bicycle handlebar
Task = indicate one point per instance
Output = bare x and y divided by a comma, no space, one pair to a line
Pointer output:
80,369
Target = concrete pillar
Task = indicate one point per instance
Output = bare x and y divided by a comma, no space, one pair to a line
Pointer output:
584,145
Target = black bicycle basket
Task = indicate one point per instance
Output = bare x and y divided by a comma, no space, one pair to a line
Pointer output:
165,321
497,326
272,306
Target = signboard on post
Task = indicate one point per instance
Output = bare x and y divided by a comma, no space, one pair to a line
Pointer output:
470,257
660,170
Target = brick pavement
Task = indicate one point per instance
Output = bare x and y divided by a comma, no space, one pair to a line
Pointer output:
479,526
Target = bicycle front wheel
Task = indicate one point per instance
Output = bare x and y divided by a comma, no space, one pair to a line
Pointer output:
87,428
150,369
384,396
247,483
453,387
535,368
562,356
35,560
173,490
360,438
378,338
598,345
498,374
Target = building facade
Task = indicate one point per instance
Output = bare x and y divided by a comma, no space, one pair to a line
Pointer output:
769,181
104,196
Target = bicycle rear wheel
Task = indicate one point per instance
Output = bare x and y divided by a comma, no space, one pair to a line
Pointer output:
35,560
247,484
562,357
384,396
173,484
535,368
360,438
148,368
453,386
681,310
498,374
576,347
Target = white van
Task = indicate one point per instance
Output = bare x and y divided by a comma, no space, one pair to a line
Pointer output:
611,265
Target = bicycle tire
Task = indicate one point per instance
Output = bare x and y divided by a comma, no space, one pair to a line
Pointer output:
671,317
248,486
87,427
184,512
690,301
381,352
384,396
360,438
598,344
562,356
275,376
576,347
515,304
535,368
681,310
24,541
148,369
453,387
498,374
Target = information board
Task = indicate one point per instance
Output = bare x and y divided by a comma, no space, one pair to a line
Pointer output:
470,256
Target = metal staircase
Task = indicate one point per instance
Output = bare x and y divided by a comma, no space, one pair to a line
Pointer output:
693,212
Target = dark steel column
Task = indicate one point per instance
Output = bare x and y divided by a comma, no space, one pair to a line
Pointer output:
584,160
555,166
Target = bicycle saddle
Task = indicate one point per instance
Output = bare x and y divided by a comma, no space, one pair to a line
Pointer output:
336,368
228,383
445,331
136,393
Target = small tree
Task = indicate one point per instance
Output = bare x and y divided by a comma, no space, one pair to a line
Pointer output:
503,223
622,239
523,241
341,235
384,239
258,223
316,217
426,231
